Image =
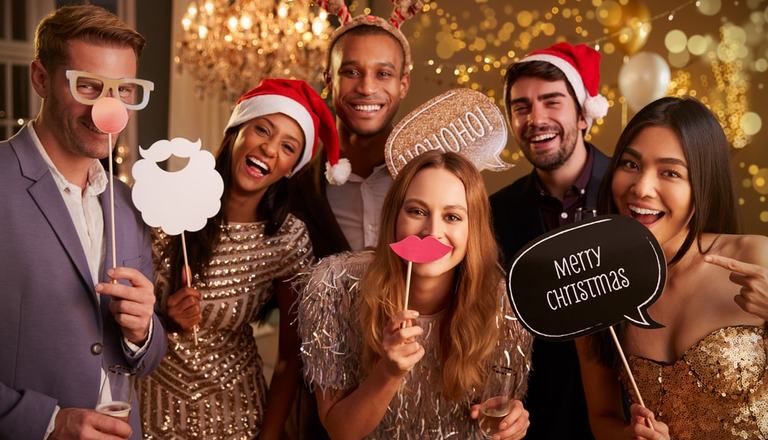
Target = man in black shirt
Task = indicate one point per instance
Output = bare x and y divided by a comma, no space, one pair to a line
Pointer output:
551,99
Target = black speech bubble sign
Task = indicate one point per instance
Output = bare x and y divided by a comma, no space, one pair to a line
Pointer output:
587,276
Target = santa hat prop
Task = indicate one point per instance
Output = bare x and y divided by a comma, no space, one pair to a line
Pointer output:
581,66
297,100
402,10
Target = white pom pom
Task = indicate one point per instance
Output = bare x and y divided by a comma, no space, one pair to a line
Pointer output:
596,107
339,173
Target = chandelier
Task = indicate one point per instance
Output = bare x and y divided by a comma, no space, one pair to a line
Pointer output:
230,45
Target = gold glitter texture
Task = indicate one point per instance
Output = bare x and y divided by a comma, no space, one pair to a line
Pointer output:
216,390
331,352
460,121
718,390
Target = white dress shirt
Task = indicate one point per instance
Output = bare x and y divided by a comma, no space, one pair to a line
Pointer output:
357,206
83,206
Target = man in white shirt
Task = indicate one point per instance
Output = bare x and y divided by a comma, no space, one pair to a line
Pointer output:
68,315
368,74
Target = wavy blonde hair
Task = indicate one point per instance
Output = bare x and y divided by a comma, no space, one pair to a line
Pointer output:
468,332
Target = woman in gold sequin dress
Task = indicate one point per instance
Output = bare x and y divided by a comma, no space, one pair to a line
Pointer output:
212,387
379,379
704,375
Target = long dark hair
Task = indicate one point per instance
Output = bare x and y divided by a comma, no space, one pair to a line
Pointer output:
707,153
272,209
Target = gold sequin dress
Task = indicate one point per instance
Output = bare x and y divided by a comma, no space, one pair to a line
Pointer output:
331,350
216,390
718,390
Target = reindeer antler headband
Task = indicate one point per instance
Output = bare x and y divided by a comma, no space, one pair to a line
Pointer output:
402,10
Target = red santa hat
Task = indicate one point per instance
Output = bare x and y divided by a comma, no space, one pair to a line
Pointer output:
299,101
581,66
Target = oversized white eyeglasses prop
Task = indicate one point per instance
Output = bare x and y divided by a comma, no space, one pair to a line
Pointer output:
586,277
462,121
177,201
416,250
87,88
110,115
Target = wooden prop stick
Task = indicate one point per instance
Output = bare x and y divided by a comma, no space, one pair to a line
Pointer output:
407,288
626,365
408,284
416,250
112,204
188,273
629,372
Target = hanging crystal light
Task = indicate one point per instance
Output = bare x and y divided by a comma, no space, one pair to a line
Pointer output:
230,45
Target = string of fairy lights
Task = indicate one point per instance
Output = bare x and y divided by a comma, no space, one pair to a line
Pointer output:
474,45
475,40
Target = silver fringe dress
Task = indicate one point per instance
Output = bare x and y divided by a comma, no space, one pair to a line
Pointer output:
216,389
331,350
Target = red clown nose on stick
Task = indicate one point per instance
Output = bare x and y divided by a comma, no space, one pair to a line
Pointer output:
109,115
416,250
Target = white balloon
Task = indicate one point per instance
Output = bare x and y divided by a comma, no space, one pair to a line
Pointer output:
643,79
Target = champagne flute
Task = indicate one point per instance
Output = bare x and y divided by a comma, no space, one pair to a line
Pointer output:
496,401
116,392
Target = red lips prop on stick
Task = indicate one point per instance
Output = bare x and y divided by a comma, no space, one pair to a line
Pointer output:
416,250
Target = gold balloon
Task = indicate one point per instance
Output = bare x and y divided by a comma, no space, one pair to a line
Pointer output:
632,29
609,14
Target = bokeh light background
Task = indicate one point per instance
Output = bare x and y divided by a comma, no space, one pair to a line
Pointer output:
717,51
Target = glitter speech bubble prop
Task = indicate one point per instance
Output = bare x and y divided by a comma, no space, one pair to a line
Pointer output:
461,121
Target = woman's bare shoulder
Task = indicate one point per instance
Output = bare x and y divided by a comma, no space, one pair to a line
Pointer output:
743,247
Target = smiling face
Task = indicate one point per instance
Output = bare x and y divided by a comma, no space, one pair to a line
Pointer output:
436,204
64,123
652,185
367,82
545,121
265,150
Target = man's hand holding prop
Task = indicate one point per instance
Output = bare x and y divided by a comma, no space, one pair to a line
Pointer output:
132,305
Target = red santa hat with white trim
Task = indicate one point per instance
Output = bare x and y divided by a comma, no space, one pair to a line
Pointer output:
581,66
299,101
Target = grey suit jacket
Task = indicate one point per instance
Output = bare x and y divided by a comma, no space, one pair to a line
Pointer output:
55,335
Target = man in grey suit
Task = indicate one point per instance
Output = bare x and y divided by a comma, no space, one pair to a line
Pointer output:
63,322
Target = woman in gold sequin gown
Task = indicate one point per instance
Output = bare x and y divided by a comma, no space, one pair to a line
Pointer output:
382,372
704,375
211,386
